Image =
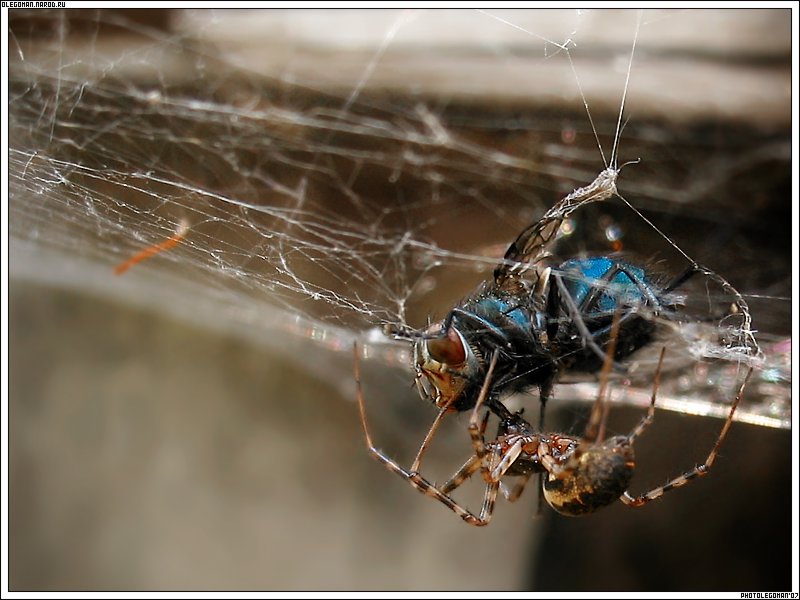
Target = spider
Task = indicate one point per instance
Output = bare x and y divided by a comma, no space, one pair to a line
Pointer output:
580,475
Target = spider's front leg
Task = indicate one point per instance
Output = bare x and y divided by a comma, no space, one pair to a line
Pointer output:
473,463
414,478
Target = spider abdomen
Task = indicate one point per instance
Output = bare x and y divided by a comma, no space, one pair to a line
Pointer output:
592,478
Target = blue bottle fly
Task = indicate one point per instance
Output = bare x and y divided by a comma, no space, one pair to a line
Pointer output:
543,321
562,324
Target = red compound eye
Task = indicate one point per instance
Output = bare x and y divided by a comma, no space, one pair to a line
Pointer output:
448,349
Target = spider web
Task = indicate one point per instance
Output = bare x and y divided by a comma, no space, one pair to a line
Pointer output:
333,172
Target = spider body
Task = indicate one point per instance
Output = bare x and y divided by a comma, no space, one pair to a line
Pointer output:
579,479
599,477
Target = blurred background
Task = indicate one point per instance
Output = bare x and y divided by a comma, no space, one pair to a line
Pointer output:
192,425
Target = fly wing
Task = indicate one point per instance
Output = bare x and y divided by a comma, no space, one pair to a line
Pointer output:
531,245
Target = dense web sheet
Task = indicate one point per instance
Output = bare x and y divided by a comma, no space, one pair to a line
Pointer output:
331,173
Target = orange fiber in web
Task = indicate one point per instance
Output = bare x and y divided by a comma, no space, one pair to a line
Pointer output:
151,251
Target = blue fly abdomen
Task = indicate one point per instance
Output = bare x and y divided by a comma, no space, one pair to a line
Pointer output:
601,285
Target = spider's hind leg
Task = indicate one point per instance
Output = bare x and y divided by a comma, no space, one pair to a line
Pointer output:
699,470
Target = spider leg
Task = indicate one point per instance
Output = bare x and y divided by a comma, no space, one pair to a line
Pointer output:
498,470
553,467
468,468
426,442
489,499
475,428
413,478
505,461
464,473
595,429
651,411
500,463
699,470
